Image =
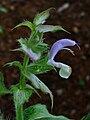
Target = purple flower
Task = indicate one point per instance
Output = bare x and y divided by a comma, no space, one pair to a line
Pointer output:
65,70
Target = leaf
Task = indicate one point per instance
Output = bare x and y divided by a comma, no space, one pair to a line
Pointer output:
1,117
40,47
25,23
40,112
41,17
39,66
3,89
86,117
21,95
1,30
14,63
49,28
39,85
4,10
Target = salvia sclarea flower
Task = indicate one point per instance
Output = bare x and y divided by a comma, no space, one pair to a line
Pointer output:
65,70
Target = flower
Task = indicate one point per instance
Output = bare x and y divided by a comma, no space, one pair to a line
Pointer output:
65,70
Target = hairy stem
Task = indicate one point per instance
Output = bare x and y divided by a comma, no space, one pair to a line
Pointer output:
22,78
19,112
19,109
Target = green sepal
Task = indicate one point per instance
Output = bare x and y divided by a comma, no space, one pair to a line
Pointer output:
86,117
3,89
40,112
39,66
42,17
26,24
21,95
49,28
38,84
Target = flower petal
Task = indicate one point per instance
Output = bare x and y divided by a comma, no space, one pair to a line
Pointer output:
59,45
65,71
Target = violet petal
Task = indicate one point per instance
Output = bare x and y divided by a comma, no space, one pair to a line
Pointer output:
65,70
59,45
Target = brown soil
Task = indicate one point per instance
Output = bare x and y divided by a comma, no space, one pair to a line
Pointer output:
72,96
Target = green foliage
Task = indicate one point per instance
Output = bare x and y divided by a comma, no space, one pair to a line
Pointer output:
3,89
41,17
40,66
1,117
25,23
39,112
14,63
36,56
86,117
3,9
49,28
1,30
21,95
39,85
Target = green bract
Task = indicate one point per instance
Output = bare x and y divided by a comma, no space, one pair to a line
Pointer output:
40,18
49,28
40,66
39,112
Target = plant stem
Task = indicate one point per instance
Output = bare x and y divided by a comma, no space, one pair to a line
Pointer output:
22,78
19,109
25,63
19,112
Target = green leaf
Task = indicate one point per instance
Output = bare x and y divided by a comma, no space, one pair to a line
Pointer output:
40,112
21,95
40,47
41,17
39,85
49,28
25,23
3,89
14,63
1,30
1,117
4,10
39,66
86,117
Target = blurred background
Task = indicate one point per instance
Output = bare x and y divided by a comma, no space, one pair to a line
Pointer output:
71,96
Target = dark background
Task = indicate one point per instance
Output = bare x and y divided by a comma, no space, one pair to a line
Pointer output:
72,96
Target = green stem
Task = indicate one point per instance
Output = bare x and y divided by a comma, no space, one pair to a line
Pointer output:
19,109
22,78
25,63
19,112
